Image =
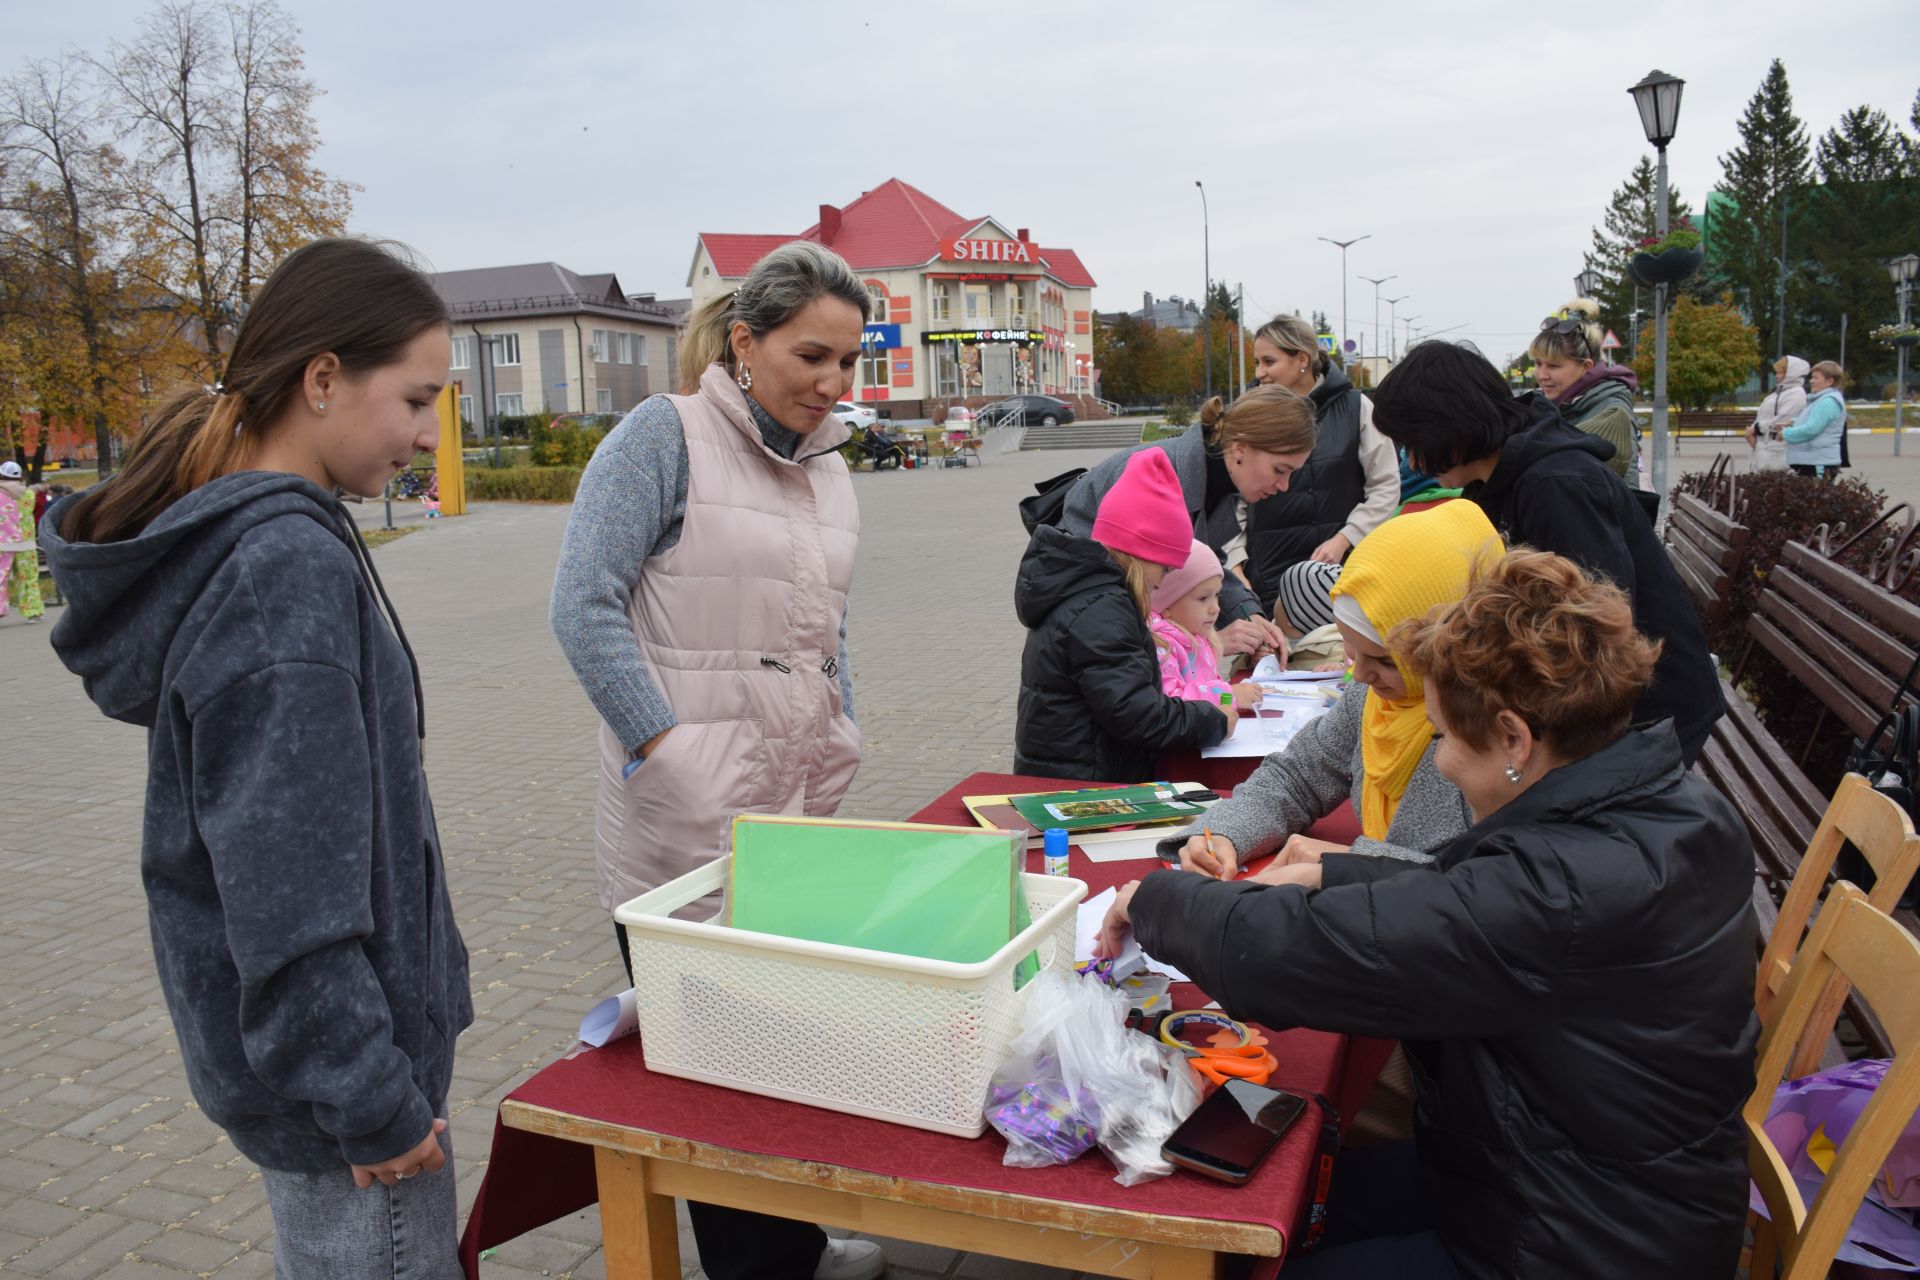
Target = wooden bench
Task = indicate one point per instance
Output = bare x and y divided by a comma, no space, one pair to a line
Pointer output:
1848,639
1701,422
1707,547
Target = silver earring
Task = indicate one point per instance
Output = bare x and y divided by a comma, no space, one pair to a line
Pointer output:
745,379
322,406
1513,775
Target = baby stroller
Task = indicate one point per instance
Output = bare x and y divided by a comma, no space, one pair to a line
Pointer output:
879,451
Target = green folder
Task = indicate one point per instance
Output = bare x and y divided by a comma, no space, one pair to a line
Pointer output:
1106,808
940,893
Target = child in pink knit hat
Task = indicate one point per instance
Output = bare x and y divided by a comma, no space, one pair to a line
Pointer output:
1184,608
1091,703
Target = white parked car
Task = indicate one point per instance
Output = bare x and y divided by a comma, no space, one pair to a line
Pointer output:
856,415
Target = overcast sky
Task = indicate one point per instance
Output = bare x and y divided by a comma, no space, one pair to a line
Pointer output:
1476,143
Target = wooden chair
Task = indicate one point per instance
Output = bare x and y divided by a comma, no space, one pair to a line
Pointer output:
1884,834
1852,943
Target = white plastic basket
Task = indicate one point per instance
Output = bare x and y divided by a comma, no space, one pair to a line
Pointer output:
869,1033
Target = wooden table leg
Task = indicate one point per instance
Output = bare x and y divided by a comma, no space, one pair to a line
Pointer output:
1173,1263
638,1230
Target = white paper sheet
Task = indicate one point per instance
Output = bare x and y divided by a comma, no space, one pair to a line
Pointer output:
1132,849
1269,671
1269,731
1093,912
612,1018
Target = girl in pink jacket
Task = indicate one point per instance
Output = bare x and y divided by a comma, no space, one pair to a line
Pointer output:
1185,606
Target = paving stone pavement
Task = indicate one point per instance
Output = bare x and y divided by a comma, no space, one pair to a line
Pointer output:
107,1169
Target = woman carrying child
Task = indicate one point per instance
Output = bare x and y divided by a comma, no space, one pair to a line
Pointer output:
1091,703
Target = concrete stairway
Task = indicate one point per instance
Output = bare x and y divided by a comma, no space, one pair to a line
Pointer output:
1115,433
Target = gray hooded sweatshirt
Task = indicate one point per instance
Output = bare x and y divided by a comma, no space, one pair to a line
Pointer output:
299,910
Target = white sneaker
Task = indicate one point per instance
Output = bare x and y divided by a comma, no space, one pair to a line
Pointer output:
851,1260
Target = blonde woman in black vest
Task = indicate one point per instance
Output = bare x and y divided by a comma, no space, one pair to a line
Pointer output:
1346,490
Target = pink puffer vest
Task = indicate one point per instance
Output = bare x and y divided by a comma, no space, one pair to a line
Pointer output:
739,622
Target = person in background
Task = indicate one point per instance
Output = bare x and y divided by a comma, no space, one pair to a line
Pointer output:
1571,978
1767,451
1545,485
701,598
1375,746
1349,485
1185,606
219,596
1817,437
19,570
1091,704
1592,395
1234,456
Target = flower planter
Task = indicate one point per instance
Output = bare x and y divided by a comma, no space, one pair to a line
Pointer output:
1670,266
1907,340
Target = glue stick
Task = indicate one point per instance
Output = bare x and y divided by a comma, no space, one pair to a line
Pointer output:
1054,851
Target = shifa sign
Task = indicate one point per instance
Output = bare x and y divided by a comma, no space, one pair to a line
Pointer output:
958,250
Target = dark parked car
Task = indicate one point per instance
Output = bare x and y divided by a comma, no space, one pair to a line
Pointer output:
1044,411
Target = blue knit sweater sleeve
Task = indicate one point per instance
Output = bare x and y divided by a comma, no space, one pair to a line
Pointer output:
629,506
1819,415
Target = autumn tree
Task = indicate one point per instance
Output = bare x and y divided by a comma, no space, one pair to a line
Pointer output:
1710,351
217,100
56,224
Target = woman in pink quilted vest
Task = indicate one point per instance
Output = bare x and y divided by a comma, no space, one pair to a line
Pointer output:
702,600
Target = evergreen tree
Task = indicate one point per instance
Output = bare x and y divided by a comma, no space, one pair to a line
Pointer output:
1865,212
1629,219
1765,176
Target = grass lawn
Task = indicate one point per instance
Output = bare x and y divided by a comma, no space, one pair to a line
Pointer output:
381,537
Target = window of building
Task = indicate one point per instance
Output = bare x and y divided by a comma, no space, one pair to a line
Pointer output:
877,306
623,347
506,349
509,405
602,352
940,303
603,399
874,363
466,409
462,353
639,348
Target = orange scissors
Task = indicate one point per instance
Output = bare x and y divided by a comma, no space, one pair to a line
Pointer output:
1235,1051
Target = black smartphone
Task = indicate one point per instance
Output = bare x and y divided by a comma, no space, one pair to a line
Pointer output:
1230,1133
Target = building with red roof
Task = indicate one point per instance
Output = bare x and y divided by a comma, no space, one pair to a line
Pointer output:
965,309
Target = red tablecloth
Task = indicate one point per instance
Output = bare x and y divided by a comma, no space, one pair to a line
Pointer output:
532,1179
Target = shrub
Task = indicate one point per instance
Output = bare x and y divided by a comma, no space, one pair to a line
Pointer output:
1780,507
570,444
1179,414
523,484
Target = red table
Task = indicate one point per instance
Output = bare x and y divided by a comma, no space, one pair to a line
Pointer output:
599,1125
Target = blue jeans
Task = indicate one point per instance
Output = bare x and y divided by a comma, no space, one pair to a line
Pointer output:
324,1227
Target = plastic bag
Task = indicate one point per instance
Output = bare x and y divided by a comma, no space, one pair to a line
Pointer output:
1809,1120
1076,1076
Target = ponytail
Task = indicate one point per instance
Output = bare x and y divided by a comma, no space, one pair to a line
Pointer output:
358,300
779,285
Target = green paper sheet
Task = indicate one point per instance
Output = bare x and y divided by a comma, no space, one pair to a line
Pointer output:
939,893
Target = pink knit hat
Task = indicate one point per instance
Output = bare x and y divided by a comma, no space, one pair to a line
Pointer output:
1145,513
1201,564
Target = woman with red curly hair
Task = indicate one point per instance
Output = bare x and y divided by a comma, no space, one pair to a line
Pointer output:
1572,979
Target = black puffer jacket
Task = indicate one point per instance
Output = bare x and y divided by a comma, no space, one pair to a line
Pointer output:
1573,981
1552,491
1090,700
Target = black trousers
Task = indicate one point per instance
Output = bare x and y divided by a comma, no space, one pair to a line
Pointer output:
735,1244
1816,471
1380,1222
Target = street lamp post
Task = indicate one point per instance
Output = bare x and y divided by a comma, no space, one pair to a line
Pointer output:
1206,295
1391,333
1902,270
1657,97
1344,246
1407,342
1586,283
1376,283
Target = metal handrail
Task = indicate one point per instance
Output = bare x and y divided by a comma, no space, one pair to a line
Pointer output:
487,305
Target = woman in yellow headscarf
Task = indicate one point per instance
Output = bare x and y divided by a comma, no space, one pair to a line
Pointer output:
1375,746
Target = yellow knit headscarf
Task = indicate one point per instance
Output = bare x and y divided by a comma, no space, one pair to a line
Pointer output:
1402,570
